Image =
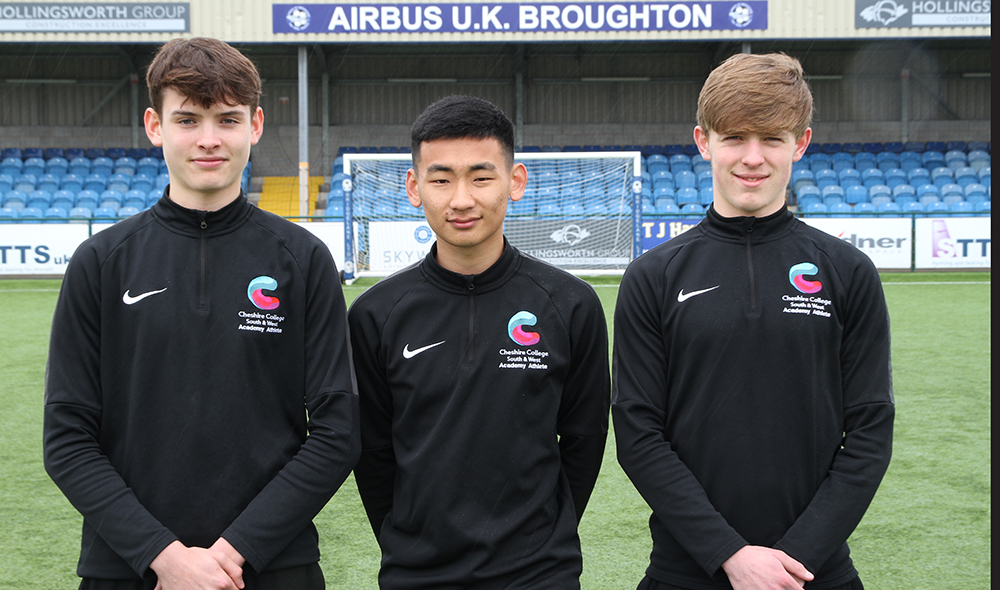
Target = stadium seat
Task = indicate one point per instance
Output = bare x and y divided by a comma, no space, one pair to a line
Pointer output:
25,182
31,214
119,182
912,208
952,189
704,179
936,207
63,199
135,198
978,159
873,147
56,215
932,160
853,147
7,215
79,166
832,194
872,176
692,209
807,195
918,176
685,179
96,182
826,177
984,176
87,199
687,195
7,183
125,165
914,146
936,146
887,161
925,190
116,152
57,165
680,163
856,194
961,207
105,166
982,207
864,208
72,183
888,209
803,177
127,211
137,153
841,161
39,199
11,152
895,177
820,161
104,214
849,177
965,176
974,190
706,196
955,159
942,175
815,208
865,160
840,210
15,199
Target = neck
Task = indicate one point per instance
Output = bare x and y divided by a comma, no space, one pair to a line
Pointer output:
469,261
204,202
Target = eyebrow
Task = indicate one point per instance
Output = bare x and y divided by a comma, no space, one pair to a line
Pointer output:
473,168
183,113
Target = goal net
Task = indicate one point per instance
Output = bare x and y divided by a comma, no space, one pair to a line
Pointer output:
579,212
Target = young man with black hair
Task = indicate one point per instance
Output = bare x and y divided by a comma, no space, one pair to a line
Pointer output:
483,377
753,394
193,347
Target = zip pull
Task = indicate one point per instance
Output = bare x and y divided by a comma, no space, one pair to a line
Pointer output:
204,224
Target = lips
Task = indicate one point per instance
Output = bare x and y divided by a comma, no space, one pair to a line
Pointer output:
463,223
209,162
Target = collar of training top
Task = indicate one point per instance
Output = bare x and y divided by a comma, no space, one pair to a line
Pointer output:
759,229
192,222
491,278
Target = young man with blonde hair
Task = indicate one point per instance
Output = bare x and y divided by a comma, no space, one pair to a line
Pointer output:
753,399
194,346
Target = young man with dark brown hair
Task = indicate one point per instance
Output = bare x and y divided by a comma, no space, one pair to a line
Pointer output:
753,400
193,347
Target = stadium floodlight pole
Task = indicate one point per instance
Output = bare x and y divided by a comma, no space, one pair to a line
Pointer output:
303,131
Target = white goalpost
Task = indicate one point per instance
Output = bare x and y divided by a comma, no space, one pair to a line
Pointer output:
581,211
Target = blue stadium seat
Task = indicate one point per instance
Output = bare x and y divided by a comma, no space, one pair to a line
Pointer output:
909,160
803,177
918,176
966,176
936,207
888,209
842,161
79,166
25,182
57,165
864,208
888,161
105,166
815,208
692,209
63,199
872,176
15,199
820,161
832,194
127,211
116,152
942,175
849,177
826,177
8,215
11,152
865,160
72,183
706,196
856,194
840,210
874,147
912,207
56,215
87,199
932,160
39,199
31,214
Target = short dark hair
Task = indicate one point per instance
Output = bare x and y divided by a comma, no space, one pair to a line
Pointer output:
206,71
459,116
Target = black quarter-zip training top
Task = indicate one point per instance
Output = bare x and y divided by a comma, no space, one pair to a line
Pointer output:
484,405
187,348
752,395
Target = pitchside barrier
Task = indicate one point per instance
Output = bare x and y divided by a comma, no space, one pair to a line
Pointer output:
893,243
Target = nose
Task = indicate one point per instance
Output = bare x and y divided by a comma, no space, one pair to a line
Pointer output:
462,197
209,138
753,154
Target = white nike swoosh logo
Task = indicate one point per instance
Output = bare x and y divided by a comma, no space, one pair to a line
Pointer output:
129,300
682,296
408,354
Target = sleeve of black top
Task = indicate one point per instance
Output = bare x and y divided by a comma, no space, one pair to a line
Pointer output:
859,465
290,501
639,410
375,472
583,412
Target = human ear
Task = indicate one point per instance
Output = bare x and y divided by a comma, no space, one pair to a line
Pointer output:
411,188
518,181
151,120
701,140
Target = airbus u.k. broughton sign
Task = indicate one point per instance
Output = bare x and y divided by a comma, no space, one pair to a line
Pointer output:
518,17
